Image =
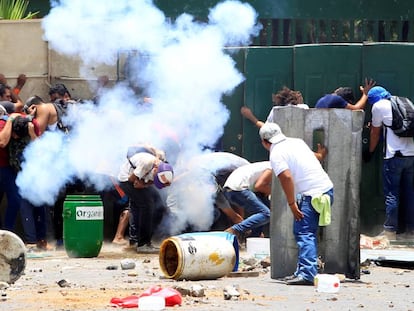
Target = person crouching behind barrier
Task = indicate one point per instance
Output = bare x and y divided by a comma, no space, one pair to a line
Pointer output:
140,177
248,188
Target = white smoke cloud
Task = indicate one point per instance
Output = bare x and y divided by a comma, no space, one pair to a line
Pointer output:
191,197
181,65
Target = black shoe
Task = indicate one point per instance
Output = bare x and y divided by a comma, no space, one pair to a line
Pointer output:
299,280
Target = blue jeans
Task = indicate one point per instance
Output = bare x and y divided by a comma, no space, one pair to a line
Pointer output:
246,199
8,186
33,222
398,176
305,232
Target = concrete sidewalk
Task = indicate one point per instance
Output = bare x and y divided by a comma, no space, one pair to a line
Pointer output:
90,283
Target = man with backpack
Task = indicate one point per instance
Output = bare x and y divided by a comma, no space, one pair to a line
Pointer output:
398,164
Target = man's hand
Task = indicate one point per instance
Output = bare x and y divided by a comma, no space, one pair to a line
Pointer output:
31,130
21,81
369,84
321,152
247,113
297,214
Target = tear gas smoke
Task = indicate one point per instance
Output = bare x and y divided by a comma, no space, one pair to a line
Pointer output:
181,65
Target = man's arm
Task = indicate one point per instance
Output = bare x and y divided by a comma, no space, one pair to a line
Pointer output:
18,103
264,182
286,180
6,131
374,137
248,114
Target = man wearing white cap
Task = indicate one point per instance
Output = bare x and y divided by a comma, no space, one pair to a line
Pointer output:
302,179
138,176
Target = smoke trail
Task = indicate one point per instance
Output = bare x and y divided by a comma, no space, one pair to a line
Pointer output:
181,65
191,197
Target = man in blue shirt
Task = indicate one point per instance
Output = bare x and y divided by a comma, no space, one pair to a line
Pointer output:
343,97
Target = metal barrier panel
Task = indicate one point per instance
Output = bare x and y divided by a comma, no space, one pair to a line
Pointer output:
338,242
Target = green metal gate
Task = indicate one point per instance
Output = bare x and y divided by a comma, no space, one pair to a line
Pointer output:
316,70
267,70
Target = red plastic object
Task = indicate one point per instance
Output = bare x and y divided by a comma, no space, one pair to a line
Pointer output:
127,302
172,297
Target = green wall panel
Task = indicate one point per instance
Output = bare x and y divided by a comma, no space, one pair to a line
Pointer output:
391,65
267,71
232,138
320,69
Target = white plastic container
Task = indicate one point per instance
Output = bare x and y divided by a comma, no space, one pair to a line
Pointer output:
327,283
258,247
151,303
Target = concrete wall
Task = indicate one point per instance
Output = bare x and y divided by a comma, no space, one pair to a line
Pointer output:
338,242
24,50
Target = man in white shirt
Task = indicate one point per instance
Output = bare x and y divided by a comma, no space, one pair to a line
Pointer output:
398,166
248,187
138,175
302,178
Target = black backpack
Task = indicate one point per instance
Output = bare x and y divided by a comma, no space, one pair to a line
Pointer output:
402,116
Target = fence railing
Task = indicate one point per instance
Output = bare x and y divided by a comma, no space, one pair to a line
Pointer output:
308,31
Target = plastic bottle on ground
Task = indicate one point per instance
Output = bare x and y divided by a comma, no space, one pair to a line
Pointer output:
327,283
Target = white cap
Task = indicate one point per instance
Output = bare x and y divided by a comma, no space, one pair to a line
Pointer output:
271,132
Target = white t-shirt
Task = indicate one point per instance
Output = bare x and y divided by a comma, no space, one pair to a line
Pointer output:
382,115
270,116
245,176
144,164
308,175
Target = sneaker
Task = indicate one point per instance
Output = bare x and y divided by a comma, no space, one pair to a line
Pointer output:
239,235
390,235
148,249
299,280
287,278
